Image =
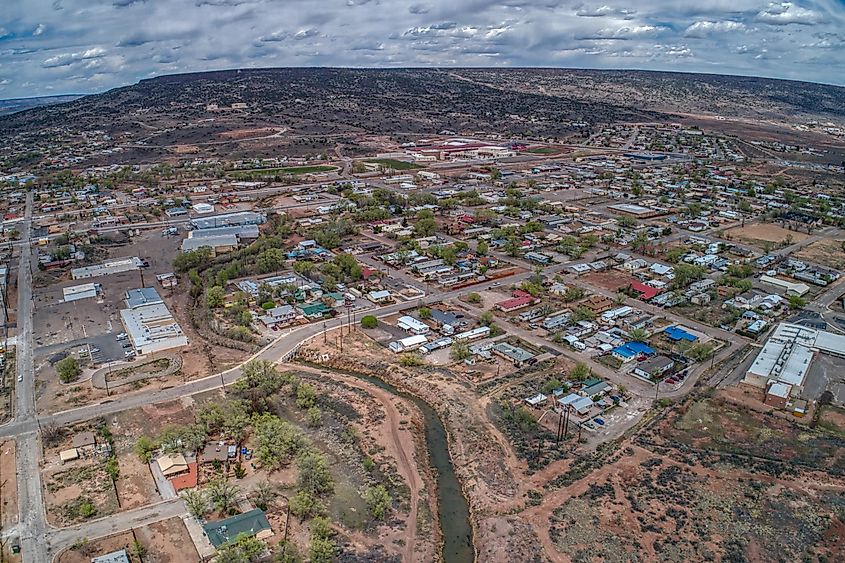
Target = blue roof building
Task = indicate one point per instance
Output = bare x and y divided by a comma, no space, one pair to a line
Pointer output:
676,333
631,350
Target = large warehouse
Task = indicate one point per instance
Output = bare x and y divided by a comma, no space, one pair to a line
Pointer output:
788,353
149,324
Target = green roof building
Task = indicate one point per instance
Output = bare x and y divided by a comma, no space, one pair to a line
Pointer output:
224,531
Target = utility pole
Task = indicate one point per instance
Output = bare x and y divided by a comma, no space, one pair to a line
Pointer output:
108,374
325,333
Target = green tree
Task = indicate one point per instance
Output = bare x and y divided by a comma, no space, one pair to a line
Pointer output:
196,502
639,335
214,296
378,501
243,549
796,302
580,372
68,369
322,550
263,494
321,527
304,504
424,312
474,298
222,494
426,224
369,321
314,417
482,248
144,448
276,441
460,351
486,318
314,475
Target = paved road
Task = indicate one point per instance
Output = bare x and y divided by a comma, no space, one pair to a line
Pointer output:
32,523
122,521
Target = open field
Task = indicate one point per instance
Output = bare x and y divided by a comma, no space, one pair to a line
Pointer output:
289,170
167,541
830,253
761,233
8,485
395,164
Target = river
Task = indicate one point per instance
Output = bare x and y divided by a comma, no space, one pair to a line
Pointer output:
453,511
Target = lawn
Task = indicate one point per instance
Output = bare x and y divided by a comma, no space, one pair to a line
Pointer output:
291,170
395,164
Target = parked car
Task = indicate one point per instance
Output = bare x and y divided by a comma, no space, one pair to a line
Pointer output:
599,421
121,336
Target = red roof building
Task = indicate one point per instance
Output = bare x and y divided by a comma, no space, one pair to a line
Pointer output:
646,291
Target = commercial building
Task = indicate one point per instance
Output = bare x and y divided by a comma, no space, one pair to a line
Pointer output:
115,266
788,353
149,324
228,220
789,288
83,291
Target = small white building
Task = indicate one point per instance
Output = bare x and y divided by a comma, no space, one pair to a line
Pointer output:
406,344
82,291
412,326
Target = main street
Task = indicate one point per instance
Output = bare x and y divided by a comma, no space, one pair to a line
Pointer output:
32,524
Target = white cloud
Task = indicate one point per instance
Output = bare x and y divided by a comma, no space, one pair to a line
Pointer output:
39,30
66,59
786,13
705,28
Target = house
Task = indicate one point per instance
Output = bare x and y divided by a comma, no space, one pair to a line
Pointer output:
515,354
313,311
84,441
168,279
536,400
631,350
379,297
215,451
281,315
406,344
777,395
520,300
253,524
172,464
646,292
677,333
653,368
576,402
412,326
119,556
700,299
596,389
597,303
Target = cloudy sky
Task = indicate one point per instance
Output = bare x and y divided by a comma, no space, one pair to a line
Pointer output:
83,46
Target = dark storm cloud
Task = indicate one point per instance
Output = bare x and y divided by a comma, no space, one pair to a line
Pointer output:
49,46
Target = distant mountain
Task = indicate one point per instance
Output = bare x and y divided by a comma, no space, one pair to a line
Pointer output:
20,104
175,109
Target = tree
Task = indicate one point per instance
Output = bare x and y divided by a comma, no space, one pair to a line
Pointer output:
304,504
583,314
425,225
551,385
321,527
482,248
573,294
369,321
315,418
68,369
214,296
322,550
486,318
314,475
138,550
796,302
196,501
144,448
222,494
276,441
378,501
263,494
424,312
638,335
306,396
460,351
580,372
474,298
243,549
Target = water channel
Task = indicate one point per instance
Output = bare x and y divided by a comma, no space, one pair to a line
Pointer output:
453,511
